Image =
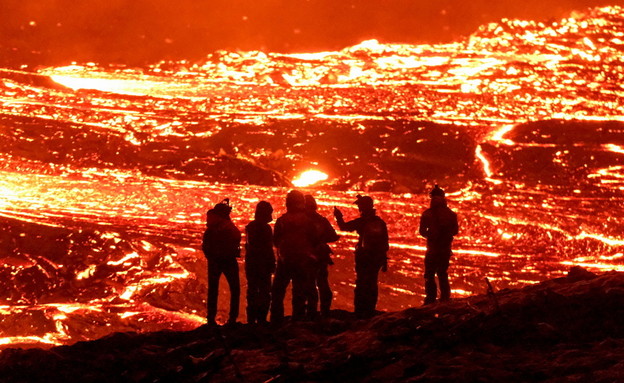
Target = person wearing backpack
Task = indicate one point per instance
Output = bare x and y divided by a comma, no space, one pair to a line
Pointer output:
438,224
295,238
322,252
259,263
370,253
221,246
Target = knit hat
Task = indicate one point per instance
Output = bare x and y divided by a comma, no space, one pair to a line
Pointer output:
310,202
364,202
263,211
222,209
436,191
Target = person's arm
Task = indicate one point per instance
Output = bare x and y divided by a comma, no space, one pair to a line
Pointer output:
423,228
267,234
386,237
455,227
342,225
235,238
246,239
277,233
238,238
237,235
205,243
384,267
329,234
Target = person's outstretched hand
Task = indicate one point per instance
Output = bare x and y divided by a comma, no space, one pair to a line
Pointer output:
337,212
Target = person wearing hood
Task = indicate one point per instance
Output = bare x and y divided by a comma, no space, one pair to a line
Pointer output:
295,238
259,263
221,246
438,224
370,253
323,253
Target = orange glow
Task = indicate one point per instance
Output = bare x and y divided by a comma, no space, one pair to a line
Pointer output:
86,273
33,340
498,135
520,123
107,85
309,178
595,265
486,166
615,148
484,161
602,238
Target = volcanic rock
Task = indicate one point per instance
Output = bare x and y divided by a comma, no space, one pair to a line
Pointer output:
567,329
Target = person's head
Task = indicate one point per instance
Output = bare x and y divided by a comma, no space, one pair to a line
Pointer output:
437,196
264,212
310,203
221,210
212,218
436,191
364,204
295,201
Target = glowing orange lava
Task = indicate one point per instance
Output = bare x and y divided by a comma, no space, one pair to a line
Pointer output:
309,177
105,180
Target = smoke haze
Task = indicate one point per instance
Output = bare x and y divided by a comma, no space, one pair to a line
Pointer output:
53,32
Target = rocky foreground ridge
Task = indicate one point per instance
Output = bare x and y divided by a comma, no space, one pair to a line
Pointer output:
569,329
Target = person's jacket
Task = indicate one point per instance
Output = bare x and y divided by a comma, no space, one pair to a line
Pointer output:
327,234
295,235
259,247
438,224
221,241
372,230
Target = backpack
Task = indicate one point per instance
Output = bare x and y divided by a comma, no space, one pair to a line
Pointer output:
374,235
442,226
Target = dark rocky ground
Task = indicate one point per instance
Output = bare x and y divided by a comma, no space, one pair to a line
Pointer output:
568,329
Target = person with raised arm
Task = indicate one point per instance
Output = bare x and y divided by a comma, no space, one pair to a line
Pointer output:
370,253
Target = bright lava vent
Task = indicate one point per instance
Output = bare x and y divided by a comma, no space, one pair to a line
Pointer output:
309,177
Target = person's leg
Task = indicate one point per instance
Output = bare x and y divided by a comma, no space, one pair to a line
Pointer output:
233,279
358,292
374,290
300,293
367,279
431,289
278,291
445,287
366,290
214,273
324,290
264,296
312,295
253,298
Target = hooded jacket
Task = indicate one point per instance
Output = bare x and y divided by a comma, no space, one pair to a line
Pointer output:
295,234
221,240
438,224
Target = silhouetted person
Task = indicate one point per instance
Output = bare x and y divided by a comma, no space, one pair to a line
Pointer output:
259,263
295,238
221,246
322,252
370,253
439,225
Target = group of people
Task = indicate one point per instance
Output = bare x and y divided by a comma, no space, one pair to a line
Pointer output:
297,251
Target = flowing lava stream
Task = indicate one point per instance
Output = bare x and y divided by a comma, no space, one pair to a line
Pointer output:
107,172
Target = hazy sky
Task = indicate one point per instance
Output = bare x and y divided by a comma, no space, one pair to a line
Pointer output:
141,31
